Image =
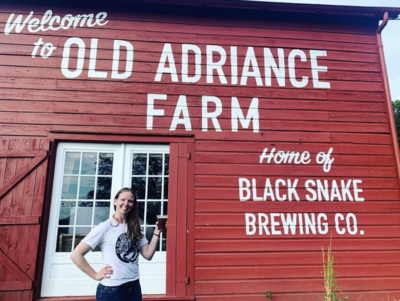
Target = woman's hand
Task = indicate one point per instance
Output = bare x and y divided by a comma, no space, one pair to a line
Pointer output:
157,230
105,272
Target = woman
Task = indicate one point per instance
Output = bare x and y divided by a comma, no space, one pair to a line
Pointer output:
121,240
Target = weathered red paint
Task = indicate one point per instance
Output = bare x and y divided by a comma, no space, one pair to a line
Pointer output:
212,258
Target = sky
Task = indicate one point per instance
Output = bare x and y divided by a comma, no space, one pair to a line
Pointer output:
390,35
391,46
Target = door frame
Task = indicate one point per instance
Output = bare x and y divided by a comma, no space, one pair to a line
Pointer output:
180,254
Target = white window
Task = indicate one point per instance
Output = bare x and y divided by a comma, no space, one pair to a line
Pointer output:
86,179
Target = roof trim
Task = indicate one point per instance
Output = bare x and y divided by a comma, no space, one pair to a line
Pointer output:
362,11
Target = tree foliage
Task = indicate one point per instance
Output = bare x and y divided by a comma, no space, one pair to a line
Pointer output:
396,111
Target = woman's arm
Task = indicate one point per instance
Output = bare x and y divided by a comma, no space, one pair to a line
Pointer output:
78,257
148,250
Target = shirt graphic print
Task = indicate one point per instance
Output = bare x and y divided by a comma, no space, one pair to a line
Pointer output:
124,249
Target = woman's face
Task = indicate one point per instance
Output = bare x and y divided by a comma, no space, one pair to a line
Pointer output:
124,203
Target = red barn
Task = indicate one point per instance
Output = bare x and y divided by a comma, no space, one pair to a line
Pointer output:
261,129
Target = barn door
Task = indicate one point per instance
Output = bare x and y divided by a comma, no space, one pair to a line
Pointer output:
23,166
86,178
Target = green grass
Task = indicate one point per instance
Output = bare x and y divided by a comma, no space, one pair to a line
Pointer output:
330,284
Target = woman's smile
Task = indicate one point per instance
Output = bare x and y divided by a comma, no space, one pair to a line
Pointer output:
124,203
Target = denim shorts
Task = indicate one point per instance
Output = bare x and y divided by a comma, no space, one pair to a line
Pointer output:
127,292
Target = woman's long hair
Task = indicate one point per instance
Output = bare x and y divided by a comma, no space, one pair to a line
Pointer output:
132,220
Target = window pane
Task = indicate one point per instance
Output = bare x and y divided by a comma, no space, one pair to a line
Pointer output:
139,186
103,188
72,160
165,194
64,239
154,188
141,212
105,164
69,187
153,209
80,233
166,165
101,212
139,164
67,213
86,188
89,161
164,241
155,164
165,208
85,212
149,236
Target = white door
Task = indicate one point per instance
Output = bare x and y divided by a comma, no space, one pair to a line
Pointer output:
148,174
86,179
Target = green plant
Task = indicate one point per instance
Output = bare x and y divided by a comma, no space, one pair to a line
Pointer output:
396,112
269,295
331,287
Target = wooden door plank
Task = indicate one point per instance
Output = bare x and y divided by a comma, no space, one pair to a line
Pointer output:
181,252
3,162
20,253
18,190
190,220
40,182
26,295
22,153
20,175
20,220
19,275
31,251
172,216
15,286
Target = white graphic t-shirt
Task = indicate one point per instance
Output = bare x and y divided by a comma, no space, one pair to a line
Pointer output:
117,251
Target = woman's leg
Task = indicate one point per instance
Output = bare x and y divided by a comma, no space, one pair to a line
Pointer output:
135,292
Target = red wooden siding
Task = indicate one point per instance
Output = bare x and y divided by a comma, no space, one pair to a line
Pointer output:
351,117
